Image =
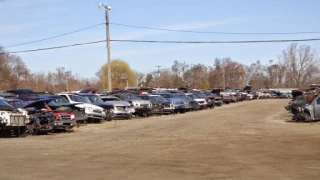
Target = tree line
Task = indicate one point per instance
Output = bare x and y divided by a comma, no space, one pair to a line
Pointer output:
15,74
296,67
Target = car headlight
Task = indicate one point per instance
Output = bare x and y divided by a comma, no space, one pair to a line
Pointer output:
89,109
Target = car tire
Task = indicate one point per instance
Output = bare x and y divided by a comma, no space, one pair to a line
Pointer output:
307,117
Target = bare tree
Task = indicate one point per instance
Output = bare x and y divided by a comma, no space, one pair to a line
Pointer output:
300,61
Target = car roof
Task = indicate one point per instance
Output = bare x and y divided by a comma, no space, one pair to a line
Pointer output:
85,94
14,99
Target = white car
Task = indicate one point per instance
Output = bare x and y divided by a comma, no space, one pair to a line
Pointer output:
201,102
11,120
93,112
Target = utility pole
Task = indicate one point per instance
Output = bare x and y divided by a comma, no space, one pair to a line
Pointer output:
224,77
67,76
107,8
158,75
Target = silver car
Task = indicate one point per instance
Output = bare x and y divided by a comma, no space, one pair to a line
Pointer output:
121,109
142,107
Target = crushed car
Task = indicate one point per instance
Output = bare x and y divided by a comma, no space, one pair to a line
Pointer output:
64,118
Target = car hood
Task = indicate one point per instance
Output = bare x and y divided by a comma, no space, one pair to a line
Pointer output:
174,100
119,103
39,103
296,93
210,97
87,105
139,101
103,105
200,99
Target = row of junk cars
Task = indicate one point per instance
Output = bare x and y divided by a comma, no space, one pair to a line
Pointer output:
25,112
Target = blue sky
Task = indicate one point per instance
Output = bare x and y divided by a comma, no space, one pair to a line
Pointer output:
28,20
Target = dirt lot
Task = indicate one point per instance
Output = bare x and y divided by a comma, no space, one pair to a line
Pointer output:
247,140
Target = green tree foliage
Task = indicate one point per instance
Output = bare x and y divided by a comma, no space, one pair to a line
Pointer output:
120,74
149,78
204,84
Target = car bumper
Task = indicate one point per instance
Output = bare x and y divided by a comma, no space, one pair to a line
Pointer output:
64,125
180,107
93,115
219,102
81,119
141,109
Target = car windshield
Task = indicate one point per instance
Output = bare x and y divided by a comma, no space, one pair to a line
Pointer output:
93,98
18,104
110,99
5,106
159,99
144,97
59,101
130,97
198,95
192,96
52,103
78,99
301,100
167,95
182,96
208,93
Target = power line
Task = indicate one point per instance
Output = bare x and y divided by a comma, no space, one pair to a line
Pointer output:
216,32
55,47
172,42
217,42
52,37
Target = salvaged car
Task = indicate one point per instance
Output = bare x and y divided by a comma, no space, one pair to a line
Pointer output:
141,107
202,103
39,121
79,113
180,105
16,103
159,104
193,104
296,108
217,100
225,97
12,121
94,113
306,107
113,109
64,118
209,98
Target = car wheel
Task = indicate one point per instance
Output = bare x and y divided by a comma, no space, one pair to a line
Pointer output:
307,117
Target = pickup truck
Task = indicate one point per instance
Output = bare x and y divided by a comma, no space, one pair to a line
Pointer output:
12,122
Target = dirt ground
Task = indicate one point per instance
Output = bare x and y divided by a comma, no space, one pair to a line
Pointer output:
247,140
